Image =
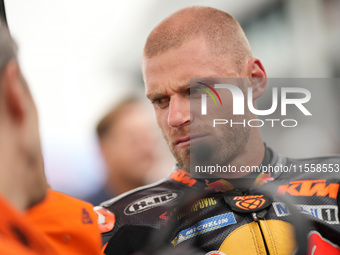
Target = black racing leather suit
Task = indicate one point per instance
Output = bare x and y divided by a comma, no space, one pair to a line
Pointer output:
225,220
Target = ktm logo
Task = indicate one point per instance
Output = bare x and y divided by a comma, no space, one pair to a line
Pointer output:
250,202
183,177
85,217
308,188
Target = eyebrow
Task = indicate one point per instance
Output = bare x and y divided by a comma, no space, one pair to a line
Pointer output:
154,95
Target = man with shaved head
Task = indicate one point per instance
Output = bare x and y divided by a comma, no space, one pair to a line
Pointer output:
224,213
218,29
198,42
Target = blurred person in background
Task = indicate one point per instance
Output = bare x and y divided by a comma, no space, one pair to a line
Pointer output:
34,219
128,144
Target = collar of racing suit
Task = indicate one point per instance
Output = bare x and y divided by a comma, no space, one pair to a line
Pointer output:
254,179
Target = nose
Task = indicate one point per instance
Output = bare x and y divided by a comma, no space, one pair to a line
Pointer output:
179,112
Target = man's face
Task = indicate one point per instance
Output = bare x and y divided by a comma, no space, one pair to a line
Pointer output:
129,146
167,80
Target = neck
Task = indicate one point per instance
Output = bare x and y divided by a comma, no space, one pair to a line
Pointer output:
7,185
12,180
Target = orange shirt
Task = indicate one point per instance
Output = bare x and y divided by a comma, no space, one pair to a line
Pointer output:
69,224
18,236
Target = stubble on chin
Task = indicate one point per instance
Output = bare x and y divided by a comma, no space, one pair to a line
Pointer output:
183,158
182,155
229,143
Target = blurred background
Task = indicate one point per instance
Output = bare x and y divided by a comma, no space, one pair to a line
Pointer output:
82,57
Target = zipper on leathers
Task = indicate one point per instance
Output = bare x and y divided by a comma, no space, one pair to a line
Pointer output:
256,219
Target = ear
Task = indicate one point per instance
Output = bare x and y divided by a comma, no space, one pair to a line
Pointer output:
15,96
258,77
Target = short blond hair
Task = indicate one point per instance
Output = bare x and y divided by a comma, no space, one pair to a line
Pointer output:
221,31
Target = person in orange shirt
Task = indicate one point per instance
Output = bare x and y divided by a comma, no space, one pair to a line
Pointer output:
69,224
33,218
22,180
17,236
